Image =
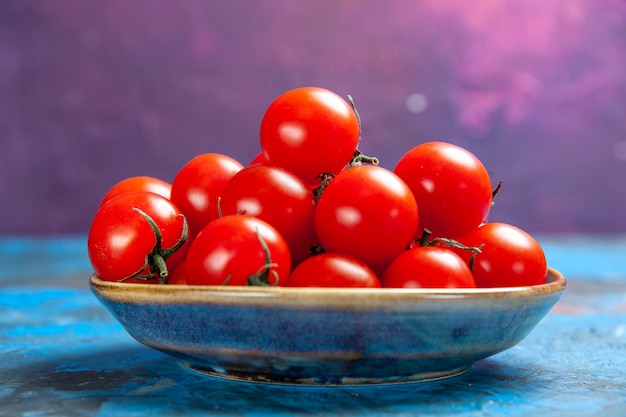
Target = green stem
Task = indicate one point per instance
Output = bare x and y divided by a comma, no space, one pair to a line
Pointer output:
156,258
496,190
359,159
262,276
184,235
158,263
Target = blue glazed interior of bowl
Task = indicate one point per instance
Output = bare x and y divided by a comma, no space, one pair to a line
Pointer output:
328,336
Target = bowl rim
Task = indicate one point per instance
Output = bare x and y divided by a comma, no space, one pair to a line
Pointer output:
312,296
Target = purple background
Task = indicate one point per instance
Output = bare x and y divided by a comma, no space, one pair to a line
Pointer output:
95,91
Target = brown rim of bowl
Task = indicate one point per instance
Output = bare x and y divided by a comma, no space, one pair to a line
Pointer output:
311,296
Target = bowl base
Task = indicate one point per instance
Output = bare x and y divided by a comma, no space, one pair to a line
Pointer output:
326,380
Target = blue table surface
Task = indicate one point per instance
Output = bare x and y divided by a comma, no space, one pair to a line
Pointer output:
62,353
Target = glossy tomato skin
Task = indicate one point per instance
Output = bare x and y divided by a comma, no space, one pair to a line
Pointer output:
309,131
333,270
259,158
428,267
228,250
509,256
120,238
278,197
139,183
179,275
451,186
366,212
198,185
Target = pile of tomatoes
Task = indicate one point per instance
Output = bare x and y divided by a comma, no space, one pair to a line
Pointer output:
312,210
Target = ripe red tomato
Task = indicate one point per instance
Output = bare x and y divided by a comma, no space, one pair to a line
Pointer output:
230,249
310,131
122,243
451,186
198,186
510,256
179,275
278,197
428,267
139,183
333,270
258,159
366,212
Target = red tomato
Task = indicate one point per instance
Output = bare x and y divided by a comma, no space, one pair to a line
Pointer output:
198,186
140,183
332,270
230,249
123,244
179,275
451,186
310,131
510,256
366,212
428,267
278,197
258,159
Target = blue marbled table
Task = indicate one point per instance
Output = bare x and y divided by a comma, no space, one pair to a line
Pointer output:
62,353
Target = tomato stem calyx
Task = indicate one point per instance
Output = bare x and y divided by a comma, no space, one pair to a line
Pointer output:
262,275
155,260
496,190
325,179
359,158
446,242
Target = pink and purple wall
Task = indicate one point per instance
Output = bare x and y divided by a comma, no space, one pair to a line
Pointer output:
94,91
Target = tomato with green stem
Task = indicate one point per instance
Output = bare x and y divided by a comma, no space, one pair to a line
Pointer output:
509,256
137,237
278,197
238,249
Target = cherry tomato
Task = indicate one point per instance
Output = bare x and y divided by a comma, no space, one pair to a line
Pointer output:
139,183
451,186
258,159
310,131
332,270
179,275
123,244
366,212
428,267
198,186
278,197
510,256
231,249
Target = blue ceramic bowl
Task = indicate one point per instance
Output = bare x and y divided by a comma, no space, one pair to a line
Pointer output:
322,336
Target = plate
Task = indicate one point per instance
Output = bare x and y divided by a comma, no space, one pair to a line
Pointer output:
324,336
